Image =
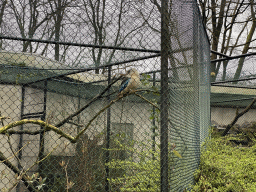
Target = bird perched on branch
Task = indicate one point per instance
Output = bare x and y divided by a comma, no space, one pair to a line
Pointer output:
130,82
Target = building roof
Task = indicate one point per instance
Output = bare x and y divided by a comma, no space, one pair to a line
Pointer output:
231,96
33,70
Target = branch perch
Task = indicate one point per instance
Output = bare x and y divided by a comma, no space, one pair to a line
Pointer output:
47,126
140,96
95,116
238,115
88,104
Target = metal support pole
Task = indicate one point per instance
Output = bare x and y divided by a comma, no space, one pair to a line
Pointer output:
41,145
164,102
20,145
154,121
107,188
196,81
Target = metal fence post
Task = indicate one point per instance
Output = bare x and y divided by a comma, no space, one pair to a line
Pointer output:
164,96
108,135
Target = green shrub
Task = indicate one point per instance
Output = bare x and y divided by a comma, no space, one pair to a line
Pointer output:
141,170
226,168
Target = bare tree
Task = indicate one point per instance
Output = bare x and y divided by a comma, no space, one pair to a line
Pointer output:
180,48
101,22
248,41
4,2
58,7
106,23
29,16
227,23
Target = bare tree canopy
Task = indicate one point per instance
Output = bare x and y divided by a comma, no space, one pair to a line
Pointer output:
89,22
230,26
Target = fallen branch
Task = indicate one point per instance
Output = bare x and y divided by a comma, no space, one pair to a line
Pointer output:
238,115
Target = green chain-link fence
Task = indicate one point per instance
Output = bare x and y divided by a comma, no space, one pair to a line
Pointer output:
65,127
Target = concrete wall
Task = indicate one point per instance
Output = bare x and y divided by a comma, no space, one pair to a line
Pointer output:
224,116
61,106
10,108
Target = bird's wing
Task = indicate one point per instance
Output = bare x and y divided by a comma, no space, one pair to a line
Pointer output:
124,79
124,84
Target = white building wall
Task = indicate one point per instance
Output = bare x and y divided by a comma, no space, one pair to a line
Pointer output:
10,96
224,116
61,106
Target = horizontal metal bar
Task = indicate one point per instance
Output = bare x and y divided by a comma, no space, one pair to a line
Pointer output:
78,44
92,46
30,115
179,67
93,68
233,57
233,86
232,106
230,81
226,101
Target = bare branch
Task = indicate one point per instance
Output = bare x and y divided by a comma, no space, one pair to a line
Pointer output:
47,126
238,115
88,104
4,2
24,176
95,116
248,40
153,104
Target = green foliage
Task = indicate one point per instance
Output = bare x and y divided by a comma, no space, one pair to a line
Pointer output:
142,169
226,168
40,182
145,79
59,184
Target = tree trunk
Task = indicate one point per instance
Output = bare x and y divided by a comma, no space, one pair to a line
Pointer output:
247,44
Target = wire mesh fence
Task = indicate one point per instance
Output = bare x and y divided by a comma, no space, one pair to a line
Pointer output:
231,95
81,95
